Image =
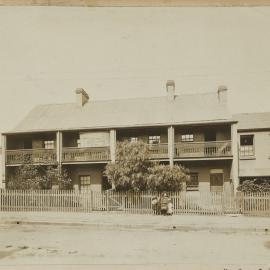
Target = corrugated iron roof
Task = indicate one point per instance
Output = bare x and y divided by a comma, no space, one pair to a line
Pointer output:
194,108
253,120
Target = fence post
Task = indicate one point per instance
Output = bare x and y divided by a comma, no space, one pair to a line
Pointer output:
223,198
240,201
107,200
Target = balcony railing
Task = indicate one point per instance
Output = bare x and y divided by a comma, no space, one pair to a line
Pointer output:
32,156
203,149
158,151
76,154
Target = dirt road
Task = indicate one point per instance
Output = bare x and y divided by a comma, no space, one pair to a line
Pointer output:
54,245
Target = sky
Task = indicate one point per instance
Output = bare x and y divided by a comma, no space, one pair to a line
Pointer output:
48,52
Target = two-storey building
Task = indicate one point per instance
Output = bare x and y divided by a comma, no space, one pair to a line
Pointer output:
254,145
194,130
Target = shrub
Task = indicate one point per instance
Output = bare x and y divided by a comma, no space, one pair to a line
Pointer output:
255,185
28,176
166,178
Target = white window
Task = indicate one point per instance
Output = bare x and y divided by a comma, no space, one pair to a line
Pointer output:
49,144
154,139
85,182
247,145
187,137
133,139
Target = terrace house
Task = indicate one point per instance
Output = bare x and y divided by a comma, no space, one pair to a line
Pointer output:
194,130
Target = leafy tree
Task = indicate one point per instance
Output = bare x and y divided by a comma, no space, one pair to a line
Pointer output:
28,176
130,168
134,171
165,178
255,185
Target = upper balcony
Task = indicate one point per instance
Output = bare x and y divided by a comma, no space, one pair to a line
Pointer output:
85,154
31,156
158,151
37,148
73,147
215,149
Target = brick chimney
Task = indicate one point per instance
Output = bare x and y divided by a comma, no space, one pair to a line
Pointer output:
170,86
222,93
81,97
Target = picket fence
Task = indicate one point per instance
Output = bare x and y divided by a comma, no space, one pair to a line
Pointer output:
202,203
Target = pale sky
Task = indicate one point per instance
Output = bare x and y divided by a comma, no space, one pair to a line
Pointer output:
47,52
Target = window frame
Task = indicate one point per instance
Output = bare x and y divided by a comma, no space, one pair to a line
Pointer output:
247,151
189,185
153,138
133,139
187,137
83,184
49,143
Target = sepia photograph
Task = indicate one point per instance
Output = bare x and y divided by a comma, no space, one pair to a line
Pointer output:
134,135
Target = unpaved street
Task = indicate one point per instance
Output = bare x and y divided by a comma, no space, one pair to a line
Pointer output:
55,244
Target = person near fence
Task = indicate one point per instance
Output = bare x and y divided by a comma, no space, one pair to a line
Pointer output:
155,205
170,207
164,201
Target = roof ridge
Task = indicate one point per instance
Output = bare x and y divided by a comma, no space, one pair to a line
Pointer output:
122,99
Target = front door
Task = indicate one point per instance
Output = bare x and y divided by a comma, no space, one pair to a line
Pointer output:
210,135
216,182
210,149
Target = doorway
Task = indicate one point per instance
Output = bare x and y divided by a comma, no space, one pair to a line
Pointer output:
216,181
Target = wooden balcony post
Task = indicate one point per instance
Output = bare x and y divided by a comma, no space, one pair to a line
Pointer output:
235,165
3,176
113,148
113,144
59,146
171,144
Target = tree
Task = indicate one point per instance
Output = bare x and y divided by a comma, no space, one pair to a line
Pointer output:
28,176
255,185
134,171
130,168
165,178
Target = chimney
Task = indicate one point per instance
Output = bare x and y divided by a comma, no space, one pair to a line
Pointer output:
222,94
81,97
170,86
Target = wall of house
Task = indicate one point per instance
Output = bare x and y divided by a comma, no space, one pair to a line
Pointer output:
143,134
87,138
203,168
222,133
94,170
259,165
34,140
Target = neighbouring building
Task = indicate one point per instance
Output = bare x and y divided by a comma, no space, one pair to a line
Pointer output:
254,145
194,130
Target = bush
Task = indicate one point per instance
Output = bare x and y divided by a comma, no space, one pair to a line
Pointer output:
28,176
166,178
255,185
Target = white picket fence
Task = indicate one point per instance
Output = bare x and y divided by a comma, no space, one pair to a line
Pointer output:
202,203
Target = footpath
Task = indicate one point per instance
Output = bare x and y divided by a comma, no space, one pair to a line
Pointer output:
105,220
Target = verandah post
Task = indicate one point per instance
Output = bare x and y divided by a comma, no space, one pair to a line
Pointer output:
171,145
